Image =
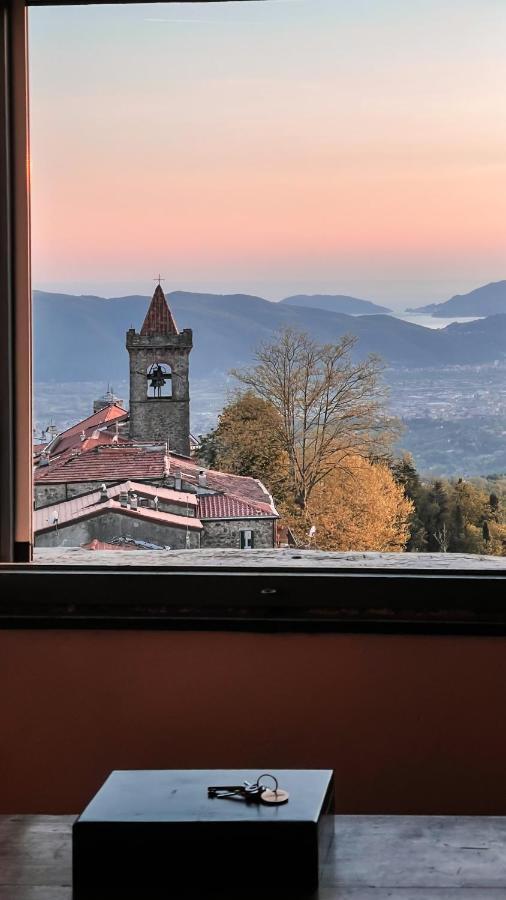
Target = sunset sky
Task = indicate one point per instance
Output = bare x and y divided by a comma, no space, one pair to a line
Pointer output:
273,147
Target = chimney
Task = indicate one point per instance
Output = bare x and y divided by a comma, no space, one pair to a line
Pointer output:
83,435
177,481
123,499
103,493
202,478
133,500
43,461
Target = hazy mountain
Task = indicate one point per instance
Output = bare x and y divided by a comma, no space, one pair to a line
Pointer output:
338,303
489,300
83,338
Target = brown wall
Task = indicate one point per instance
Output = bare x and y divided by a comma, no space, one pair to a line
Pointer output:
410,724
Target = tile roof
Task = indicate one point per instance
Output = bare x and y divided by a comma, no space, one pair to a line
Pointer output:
115,462
71,438
250,489
103,545
76,506
149,490
159,319
226,506
70,511
237,495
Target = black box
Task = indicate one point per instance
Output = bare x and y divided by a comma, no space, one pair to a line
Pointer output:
153,834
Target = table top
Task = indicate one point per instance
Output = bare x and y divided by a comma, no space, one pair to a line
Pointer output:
373,858
180,796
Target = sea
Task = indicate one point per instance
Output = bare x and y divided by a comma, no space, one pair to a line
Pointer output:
433,321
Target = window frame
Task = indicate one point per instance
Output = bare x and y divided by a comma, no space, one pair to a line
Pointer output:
252,598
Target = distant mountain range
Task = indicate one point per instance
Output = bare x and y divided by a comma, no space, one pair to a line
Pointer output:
338,303
83,338
489,300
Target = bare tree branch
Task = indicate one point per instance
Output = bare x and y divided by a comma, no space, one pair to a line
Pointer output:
331,408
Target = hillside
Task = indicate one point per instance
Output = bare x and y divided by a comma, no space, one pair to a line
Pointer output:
489,300
83,338
339,303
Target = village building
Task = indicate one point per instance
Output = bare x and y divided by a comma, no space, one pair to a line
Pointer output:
125,479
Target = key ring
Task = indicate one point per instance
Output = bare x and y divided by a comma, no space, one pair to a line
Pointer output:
268,775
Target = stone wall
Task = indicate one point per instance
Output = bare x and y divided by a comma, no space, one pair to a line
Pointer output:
227,533
114,525
45,494
159,419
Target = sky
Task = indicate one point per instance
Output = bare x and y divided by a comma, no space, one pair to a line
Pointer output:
270,146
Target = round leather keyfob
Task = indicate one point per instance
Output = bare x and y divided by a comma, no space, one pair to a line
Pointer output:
274,798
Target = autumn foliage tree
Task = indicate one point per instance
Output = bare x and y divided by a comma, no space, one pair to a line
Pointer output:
329,407
362,508
247,441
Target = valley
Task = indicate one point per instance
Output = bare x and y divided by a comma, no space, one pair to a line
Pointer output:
447,385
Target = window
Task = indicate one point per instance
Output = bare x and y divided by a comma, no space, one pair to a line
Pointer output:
247,539
15,273
159,379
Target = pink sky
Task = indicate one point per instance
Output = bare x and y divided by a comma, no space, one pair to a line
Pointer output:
284,145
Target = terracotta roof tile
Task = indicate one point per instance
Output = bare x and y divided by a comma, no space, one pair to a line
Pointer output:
71,438
129,461
250,489
226,506
68,512
118,462
159,318
77,506
103,545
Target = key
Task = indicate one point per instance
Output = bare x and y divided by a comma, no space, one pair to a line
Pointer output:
251,793
246,791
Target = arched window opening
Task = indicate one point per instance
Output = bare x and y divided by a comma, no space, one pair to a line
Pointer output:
159,381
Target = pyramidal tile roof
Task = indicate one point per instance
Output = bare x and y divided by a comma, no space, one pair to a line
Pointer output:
159,319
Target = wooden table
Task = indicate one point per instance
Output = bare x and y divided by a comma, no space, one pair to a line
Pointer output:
374,858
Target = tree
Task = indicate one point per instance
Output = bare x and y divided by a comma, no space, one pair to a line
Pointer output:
436,516
362,508
442,537
330,408
495,507
405,474
247,441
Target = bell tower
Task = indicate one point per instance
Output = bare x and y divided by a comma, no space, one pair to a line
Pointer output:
159,378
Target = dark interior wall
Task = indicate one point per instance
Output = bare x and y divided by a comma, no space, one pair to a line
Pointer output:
410,724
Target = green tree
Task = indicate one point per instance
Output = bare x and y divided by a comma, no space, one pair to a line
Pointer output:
405,473
436,515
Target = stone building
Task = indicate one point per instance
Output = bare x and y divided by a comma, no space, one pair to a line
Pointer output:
166,510
123,477
159,378
129,512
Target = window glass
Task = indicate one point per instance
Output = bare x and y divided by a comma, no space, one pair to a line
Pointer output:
269,283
